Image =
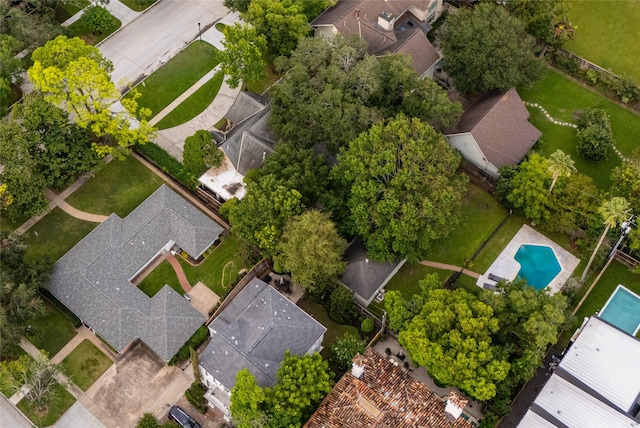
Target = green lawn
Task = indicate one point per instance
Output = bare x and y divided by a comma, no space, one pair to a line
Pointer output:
55,234
194,105
118,188
82,30
162,275
65,10
616,273
497,243
481,213
6,225
607,34
57,404
177,75
85,364
562,97
262,85
138,5
211,269
51,331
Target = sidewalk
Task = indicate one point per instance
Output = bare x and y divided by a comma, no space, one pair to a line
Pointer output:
445,266
115,8
83,334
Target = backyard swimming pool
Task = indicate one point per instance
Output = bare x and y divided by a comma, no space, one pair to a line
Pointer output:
538,265
623,310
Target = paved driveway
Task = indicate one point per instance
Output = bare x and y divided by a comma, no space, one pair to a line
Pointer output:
10,416
157,35
78,417
140,382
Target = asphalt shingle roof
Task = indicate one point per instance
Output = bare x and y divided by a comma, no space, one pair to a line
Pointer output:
93,278
254,332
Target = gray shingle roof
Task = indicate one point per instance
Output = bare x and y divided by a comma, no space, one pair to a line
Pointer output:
93,278
254,332
499,124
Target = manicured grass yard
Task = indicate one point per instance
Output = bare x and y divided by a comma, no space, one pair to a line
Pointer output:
161,275
607,34
118,188
561,98
210,271
65,10
177,75
59,402
194,105
6,225
85,364
616,273
82,30
51,331
55,234
138,5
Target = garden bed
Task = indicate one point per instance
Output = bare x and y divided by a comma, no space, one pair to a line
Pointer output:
56,405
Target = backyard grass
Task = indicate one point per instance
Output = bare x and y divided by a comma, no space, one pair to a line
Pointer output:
607,34
84,31
57,404
177,75
51,331
194,105
616,274
117,188
7,225
161,275
138,5
481,213
562,97
65,10
55,234
262,85
85,364
225,258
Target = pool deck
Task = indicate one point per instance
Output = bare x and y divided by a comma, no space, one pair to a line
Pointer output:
506,266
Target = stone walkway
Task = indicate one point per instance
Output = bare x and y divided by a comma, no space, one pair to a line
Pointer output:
445,266
84,333
182,278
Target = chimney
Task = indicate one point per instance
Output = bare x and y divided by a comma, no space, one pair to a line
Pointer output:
356,14
386,20
357,370
455,405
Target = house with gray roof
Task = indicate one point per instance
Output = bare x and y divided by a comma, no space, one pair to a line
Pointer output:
365,277
94,279
388,27
596,384
253,333
494,132
246,144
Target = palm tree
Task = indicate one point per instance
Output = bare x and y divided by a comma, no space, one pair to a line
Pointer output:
560,165
614,211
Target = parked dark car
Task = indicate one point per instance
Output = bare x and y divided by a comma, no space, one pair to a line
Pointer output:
182,418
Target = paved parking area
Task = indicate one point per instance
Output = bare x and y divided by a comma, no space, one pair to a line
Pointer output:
140,382
154,37
78,416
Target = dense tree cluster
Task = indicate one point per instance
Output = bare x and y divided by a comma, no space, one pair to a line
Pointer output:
303,381
332,90
595,136
201,153
242,57
486,48
544,19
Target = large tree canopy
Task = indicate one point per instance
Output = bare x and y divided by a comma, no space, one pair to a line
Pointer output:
333,90
241,60
485,48
404,189
75,76
451,337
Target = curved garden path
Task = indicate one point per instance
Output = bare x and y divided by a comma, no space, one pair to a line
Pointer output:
445,266
64,206
182,278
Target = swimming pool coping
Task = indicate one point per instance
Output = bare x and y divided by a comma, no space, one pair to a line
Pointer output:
599,313
506,266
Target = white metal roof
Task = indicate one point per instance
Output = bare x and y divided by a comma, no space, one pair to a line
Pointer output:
533,420
607,360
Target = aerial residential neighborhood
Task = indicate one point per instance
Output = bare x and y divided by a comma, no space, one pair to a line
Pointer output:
319,213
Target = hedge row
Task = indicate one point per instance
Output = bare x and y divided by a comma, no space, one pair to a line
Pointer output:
196,340
168,164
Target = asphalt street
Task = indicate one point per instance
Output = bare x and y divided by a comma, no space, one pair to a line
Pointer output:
157,35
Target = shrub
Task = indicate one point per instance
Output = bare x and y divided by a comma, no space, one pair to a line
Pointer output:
626,89
201,153
595,137
196,340
592,77
168,164
195,396
341,306
346,347
148,420
367,325
570,65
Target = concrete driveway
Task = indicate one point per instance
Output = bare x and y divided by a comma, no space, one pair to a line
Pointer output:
140,382
78,416
157,35
10,416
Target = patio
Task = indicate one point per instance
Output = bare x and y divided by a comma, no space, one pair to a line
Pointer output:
505,265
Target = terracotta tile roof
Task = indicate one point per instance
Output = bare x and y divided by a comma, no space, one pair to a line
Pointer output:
384,396
499,124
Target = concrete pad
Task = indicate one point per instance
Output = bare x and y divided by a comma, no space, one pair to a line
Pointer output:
138,383
78,416
12,417
203,299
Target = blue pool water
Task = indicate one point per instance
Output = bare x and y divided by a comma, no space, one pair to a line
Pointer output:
623,310
538,265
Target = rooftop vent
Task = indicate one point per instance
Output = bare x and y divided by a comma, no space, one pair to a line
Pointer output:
357,370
